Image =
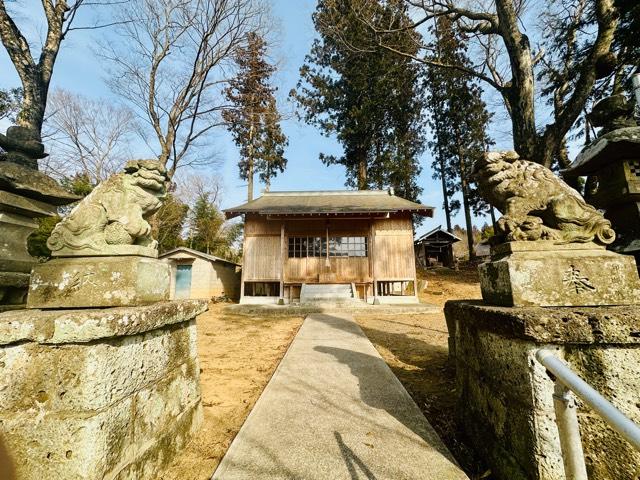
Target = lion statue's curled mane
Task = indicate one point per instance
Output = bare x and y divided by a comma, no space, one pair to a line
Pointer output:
536,204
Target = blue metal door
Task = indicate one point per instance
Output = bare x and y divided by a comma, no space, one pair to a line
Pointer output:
183,281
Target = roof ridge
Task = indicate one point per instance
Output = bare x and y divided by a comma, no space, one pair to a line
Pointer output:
293,193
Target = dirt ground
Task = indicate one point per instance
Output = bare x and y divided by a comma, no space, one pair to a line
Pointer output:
238,355
415,347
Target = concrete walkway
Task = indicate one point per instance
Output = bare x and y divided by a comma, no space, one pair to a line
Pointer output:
334,410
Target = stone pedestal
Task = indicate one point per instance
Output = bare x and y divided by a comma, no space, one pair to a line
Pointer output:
99,282
505,397
545,274
97,394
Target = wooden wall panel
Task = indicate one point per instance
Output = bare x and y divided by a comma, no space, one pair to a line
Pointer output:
346,270
261,258
394,259
256,225
317,227
394,256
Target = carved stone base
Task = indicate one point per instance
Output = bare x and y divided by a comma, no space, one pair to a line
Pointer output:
98,282
544,274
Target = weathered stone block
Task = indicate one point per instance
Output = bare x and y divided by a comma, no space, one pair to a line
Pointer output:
68,445
505,396
98,282
95,394
543,274
74,377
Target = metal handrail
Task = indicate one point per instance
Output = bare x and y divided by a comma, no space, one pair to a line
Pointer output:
566,381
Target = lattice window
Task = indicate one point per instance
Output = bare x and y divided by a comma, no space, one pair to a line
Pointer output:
302,247
634,168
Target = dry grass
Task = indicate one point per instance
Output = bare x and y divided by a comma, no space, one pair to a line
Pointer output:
238,355
416,349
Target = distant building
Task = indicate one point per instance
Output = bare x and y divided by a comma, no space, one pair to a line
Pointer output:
199,275
482,250
435,247
356,244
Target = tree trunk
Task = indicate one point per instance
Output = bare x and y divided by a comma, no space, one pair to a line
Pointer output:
465,197
362,171
250,166
34,100
445,194
493,217
519,96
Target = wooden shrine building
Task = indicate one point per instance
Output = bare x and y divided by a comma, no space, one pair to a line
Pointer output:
436,247
358,240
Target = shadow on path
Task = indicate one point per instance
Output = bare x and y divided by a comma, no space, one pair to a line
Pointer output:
377,390
352,460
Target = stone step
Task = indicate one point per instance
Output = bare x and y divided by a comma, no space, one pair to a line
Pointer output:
324,292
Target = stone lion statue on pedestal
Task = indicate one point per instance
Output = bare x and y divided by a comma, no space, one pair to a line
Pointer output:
536,204
113,218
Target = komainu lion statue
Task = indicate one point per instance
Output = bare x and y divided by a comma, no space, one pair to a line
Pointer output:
113,218
536,204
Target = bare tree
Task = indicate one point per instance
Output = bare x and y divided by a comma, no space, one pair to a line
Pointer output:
87,136
35,68
170,65
499,31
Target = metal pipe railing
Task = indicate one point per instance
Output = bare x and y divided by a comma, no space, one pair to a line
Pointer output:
566,381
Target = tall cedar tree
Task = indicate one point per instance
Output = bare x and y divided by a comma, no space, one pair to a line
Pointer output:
255,120
458,118
371,100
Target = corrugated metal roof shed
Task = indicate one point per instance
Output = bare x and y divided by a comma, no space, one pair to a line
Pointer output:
328,203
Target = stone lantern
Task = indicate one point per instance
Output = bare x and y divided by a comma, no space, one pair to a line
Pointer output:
25,195
612,165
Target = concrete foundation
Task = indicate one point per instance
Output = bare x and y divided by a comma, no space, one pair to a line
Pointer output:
505,402
107,394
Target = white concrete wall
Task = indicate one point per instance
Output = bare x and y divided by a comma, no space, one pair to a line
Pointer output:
208,279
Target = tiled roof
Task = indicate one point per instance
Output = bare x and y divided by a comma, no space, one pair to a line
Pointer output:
329,202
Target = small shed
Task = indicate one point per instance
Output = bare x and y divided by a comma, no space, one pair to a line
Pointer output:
196,274
435,246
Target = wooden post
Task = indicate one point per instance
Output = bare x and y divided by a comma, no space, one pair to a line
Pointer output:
242,269
415,270
282,260
372,261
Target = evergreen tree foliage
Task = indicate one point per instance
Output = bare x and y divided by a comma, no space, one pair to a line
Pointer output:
371,100
209,232
254,121
458,119
37,241
10,101
169,222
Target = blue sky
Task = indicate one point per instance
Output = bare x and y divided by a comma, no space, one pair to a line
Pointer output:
78,70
